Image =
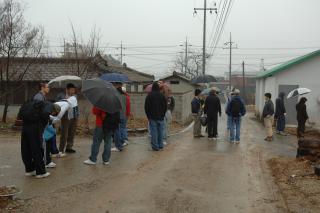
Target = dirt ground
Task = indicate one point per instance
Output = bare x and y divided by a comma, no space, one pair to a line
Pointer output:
190,175
298,184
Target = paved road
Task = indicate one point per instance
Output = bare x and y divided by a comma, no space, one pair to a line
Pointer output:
191,175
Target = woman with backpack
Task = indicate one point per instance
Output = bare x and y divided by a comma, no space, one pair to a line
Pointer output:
235,110
106,125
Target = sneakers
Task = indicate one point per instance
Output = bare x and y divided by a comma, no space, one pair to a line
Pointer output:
115,149
232,142
126,143
165,143
70,151
89,162
59,155
106,163
51,165
237,142
210,138
43,175
29,174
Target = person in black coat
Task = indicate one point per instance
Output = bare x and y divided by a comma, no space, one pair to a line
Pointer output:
302,117
155,108
212,108
280,114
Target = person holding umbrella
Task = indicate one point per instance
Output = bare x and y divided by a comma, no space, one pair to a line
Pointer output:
155,108
107,106
302,117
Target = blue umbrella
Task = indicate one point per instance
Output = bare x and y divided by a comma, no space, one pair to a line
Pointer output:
115,77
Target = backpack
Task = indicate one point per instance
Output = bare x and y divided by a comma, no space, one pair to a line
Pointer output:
236,105
30,111
111,121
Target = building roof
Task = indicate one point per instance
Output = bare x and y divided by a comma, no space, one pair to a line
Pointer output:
45,69
288,64
178,75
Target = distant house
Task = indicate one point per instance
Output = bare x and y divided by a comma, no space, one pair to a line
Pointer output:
303,71
183,92
27,73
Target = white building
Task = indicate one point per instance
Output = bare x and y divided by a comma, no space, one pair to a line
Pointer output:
303,71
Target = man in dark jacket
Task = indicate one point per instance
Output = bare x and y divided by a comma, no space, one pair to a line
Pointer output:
212,107
267,114
235,110
196,113
280,114
35,116
155,107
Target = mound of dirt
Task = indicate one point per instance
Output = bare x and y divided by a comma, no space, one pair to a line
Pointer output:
298,184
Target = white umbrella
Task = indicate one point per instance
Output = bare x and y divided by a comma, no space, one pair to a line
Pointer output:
62,81
298,91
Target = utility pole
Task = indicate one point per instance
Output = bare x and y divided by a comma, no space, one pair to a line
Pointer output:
230,46
186,45
204,31
121,54
244,83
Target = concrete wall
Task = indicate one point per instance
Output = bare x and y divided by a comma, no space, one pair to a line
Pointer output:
181,113
307,75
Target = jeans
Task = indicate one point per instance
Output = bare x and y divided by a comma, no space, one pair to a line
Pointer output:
229,122
119,135
165,128
98,136
156,130
125,129
235,126
212,126
281,123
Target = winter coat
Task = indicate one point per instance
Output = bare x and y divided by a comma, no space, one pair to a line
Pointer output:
212,106
195,105
155,105
280,108
302,114
268,109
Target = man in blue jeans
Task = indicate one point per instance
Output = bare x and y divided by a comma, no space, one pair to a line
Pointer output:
235,109
280,114
105,125
155,107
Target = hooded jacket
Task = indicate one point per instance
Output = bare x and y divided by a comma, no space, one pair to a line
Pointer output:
155,104
280,108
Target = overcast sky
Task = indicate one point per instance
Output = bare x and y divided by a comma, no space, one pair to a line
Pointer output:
288,27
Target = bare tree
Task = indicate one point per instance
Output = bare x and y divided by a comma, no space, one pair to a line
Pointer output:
194,64
82,49
17,39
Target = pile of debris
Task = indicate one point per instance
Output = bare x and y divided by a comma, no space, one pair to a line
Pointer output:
309,149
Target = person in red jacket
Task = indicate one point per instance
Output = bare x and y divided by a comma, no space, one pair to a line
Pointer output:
99,135
128,114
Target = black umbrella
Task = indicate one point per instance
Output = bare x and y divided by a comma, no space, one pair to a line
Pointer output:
102,95
203,79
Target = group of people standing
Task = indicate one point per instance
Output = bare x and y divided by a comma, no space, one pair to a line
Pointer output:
209,108
39,116
278,113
